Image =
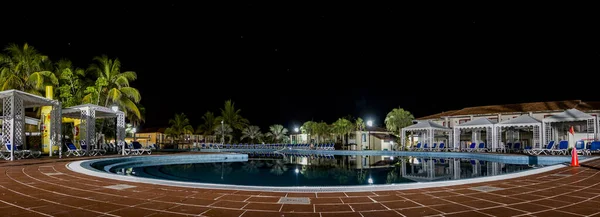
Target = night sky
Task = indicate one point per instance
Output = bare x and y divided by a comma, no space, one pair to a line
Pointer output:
289,63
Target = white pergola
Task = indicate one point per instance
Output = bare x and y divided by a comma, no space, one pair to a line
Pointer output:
429,129
476,126
88,113
14,103
571,115
523,121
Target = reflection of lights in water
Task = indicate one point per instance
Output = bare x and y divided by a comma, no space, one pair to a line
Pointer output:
370,181
297,170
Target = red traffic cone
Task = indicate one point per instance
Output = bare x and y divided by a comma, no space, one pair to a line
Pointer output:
574,158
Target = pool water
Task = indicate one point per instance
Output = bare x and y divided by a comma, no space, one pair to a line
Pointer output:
270,169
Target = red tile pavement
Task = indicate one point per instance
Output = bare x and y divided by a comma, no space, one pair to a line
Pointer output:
45,187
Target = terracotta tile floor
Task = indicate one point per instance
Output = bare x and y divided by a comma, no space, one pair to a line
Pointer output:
45,187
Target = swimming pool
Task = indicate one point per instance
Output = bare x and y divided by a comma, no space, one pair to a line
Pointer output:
313,170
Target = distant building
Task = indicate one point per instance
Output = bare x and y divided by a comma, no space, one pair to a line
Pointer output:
156,135
373,138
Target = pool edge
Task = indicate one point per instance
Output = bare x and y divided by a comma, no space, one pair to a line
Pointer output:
77,167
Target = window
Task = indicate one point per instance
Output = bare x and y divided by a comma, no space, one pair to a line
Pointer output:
444,123
463,121
364,137
545,116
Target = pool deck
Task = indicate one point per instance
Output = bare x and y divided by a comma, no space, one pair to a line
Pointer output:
46,187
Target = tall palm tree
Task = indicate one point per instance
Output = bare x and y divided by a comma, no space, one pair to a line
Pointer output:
321,129
180,125
397,119
135,119
112,86
342,127
252,133
224,131
209,122
360,124
24,68
232,117
308,128
277,132
73,83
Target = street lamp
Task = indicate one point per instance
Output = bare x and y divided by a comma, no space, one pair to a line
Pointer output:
296,129
222,133
370,123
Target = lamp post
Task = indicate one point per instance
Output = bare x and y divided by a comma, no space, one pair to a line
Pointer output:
369,124
222,133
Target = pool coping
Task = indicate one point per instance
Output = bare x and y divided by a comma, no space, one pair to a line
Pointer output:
76,166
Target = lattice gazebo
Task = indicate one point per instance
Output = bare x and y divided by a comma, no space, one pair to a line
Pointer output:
476,126
550,131
14,103
88,113
428,129
523,121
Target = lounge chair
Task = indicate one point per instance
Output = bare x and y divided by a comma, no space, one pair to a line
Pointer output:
138,150
471,147
563,146
73,150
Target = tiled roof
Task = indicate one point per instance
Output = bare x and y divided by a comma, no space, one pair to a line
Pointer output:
520,107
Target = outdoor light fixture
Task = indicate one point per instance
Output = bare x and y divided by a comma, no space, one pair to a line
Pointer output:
115,108
392,158
296,129
370,123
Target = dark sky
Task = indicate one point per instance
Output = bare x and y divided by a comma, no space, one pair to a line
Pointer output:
289,63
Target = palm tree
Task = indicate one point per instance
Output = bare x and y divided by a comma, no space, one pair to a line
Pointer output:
135,119
25,69
277,132
252,133
321,129
308,128
73,83
360,124
224,131
112,86
232,117
397,119
208,125
180,125
343,126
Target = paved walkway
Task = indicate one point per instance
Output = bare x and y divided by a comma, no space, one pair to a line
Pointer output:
45,187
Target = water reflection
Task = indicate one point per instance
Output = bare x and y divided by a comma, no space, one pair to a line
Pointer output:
270,169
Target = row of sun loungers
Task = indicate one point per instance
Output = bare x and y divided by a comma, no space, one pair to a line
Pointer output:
269,146
563,147
19,153
135,148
